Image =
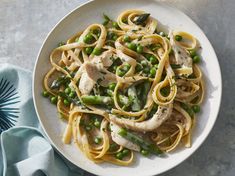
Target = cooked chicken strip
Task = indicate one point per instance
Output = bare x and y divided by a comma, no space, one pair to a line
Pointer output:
103,74
104,60
182,57
96,70
158,118
91,74
86,84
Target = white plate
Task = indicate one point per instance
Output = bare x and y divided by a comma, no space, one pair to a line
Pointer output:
90,13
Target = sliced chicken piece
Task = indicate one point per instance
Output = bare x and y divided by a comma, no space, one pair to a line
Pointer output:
104,76
182,57
120,140
104,60
86,84
96,70
162,114
91,74
108,79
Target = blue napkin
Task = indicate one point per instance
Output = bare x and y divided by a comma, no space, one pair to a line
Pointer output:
24,151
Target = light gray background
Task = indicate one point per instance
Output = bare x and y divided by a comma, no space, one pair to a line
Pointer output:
24,25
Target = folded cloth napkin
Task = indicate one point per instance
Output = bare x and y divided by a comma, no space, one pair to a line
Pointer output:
24,151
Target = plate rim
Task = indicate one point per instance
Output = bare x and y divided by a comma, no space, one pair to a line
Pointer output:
178,162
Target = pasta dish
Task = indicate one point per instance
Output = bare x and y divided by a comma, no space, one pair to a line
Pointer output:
124,87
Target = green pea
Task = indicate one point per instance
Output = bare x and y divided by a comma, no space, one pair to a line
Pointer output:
156,66
115,68
162,34
125,152
153,59
67,90
178,37
97,124
196,108
45,93
192,53
144,152
126,38
113,147
196,59
126,67
115,24
119,155
53,100
147,55
72,94
88,128
124,20
88,38
120,72
146,70
132,46
112,86
66,102
138,67
97,51
114,37
88,50
109,92
139,49
97,140
144,63
152,72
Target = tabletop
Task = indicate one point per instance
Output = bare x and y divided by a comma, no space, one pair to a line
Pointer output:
24,25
